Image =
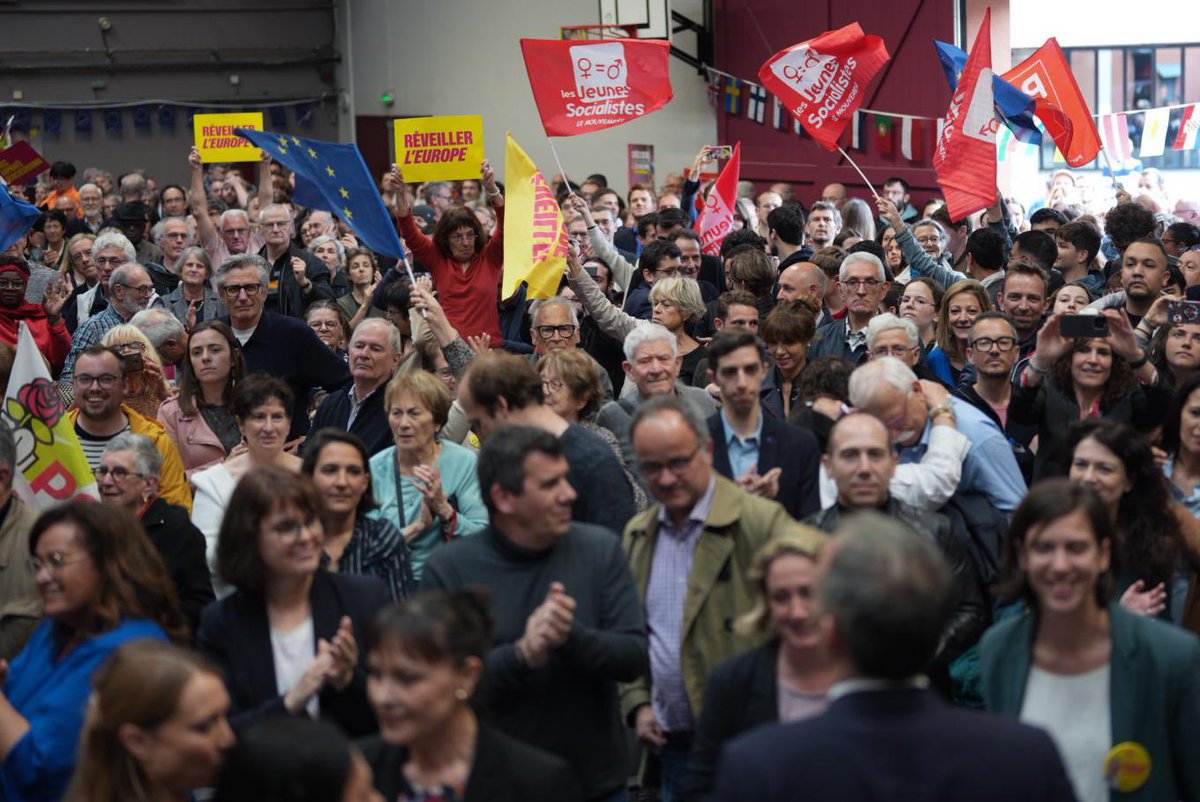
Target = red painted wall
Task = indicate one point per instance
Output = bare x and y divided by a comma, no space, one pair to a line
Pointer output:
748,32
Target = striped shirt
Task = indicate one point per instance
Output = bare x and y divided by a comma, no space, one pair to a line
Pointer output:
94,445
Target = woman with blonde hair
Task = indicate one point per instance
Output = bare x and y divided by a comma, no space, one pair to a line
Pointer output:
156,728
147,388
785,679
963,302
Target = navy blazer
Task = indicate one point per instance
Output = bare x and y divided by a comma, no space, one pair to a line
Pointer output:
236,635
502,770
830,340
371,423
784,445
896,744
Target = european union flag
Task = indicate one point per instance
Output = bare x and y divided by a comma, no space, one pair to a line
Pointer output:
16,216
335,178
1012,105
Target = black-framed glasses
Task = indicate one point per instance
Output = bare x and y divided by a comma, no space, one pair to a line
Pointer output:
986,343
234,290
677,465
110,260
53,562
118,473
105,380
863,283
547,332
898,351
146,291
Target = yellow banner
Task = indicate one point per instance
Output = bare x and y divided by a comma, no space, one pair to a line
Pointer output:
439,148
217,142
535,239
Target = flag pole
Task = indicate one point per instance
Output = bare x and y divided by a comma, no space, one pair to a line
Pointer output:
1112,173
413,279
858,169
558,163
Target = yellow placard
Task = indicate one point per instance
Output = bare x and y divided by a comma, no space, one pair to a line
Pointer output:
439,148
217,142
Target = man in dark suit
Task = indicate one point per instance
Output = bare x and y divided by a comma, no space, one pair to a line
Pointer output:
766,456
358,408
862,284
882,593
277,344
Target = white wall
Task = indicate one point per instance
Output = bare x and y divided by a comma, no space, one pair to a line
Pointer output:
463,57
1086,23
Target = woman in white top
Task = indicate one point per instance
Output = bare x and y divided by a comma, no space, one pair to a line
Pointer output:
262,407
1118,692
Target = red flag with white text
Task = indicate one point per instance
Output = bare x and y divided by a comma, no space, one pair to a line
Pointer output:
1047,78
823,81
585,86
965,156
716,220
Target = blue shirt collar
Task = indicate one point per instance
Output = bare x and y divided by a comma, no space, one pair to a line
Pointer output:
730,435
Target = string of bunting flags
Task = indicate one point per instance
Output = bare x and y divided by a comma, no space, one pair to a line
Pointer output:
142,115
911,135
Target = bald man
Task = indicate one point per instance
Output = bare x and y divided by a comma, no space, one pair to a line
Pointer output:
834,193
803,277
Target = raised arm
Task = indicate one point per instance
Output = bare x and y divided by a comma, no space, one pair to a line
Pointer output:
611,320
204,224
919,262
622,271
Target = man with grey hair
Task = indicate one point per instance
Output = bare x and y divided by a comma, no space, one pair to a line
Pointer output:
129,476
882,594
889,390
319,223
91,201
862,284
110,250
889,335
20,602
129,290
375,354
167,335
277,344
691,555
554,326
173,235
296,276
234,235
439,195
133,188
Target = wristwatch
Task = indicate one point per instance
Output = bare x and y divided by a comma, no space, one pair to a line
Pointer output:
945,408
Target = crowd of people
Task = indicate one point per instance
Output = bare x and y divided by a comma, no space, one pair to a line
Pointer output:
872,499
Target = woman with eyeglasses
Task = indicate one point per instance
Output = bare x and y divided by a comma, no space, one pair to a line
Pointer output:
920,302
79,270
102,585
45,320
195,300
287,640
963,302
466,266
328,322
332,254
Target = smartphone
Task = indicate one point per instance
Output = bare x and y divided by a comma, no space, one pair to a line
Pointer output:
1084,326
720,151
1181,312
592,271
133,363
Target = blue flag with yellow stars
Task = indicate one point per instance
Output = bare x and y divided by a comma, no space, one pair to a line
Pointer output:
335,178
16,216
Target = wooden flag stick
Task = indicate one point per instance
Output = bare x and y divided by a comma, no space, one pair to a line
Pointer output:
858,169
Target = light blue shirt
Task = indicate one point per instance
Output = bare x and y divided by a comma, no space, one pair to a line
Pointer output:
989,468
743,454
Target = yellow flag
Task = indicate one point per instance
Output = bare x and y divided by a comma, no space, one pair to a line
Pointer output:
535,240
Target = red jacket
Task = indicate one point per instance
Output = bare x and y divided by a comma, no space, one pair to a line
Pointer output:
53,341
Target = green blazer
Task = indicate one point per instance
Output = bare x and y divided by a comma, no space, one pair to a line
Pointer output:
719,589
1155,694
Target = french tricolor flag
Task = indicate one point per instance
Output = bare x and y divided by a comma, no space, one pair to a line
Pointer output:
1186,139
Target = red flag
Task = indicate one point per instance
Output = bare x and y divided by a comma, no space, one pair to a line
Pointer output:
965,156
582,87
717,218
884,138
1046,77
823,80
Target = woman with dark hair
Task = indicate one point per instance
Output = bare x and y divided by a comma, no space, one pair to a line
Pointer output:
896,264
1157,563
425,658
200,419
1175,351
195,300
362,273
784,680
156,730
102,585
53,252
1181,440
1071,379
920,303
1117,692
295,760
340,468
466,269
45,320
287,639
788,330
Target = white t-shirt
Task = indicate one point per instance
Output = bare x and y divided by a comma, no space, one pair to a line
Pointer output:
1076,710
243,335
293,651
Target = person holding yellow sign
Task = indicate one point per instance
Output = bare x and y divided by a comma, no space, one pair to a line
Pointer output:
1118,692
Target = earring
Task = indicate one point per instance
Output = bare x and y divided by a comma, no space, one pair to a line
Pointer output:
461,694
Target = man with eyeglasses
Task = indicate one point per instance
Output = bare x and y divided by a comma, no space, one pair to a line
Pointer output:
129,476
690,551
296,276
19,597
276,344
91,201
992,348
374,353
100,415
109,251
319,223
862,284
888,335
439,196
659,260
232,233
130,290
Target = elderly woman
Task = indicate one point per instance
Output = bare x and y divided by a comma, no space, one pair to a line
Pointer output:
425,486
44,320
444,638
466,268
53,252
79,270
784,680
340,468
102,585
262,407
195,300
146,388
287,640
326,319
572,385
963,302
200,419
362,273
333,254
787,331
157,728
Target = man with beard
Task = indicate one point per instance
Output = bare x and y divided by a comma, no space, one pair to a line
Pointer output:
1023,297
129,291
824,222
131,218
